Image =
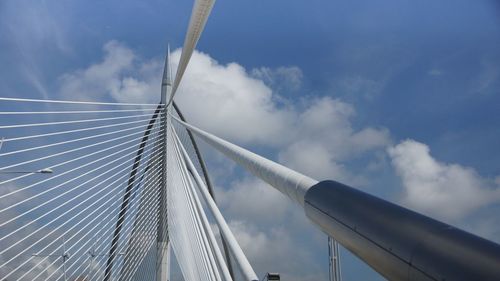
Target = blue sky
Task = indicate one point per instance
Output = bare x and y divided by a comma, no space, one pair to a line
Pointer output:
412,88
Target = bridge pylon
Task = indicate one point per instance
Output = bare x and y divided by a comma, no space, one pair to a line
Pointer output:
163,246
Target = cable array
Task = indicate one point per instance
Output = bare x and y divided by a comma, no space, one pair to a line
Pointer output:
193,240
103,191
64,170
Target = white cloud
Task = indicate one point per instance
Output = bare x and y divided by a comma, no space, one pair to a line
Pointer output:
253,200
447,191
227,101
325,138
121,74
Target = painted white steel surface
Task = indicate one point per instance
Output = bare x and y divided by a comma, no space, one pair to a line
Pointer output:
166,81
199,16
163,247
288,181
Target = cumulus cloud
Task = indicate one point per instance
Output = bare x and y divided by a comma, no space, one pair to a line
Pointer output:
121,74
448,191
253,200
325,138
228,101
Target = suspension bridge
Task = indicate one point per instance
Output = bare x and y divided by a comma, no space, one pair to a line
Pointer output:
115,191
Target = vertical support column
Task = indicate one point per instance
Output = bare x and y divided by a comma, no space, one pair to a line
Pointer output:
163,247
334,260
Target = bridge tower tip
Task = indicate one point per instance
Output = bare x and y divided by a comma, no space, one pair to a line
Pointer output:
166,82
